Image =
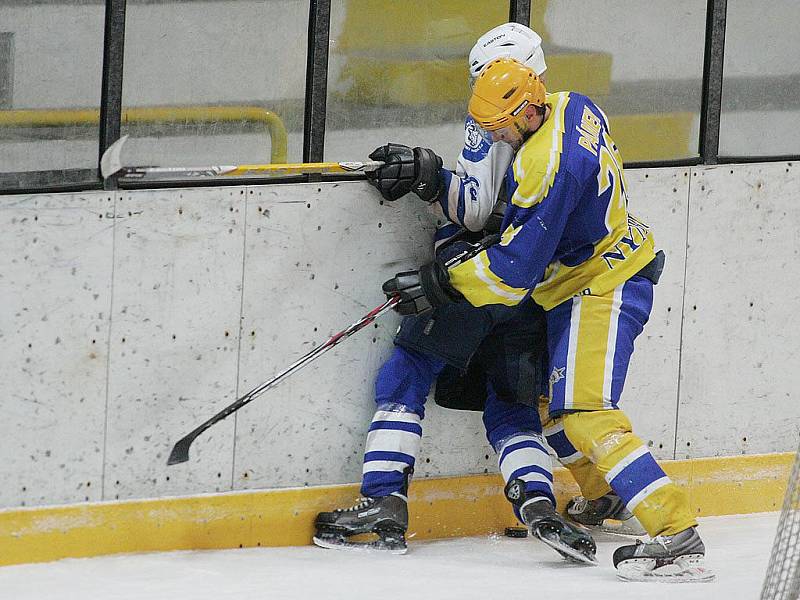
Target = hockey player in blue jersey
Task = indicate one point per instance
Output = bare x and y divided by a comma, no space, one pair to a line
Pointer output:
569,242
469,199
451,336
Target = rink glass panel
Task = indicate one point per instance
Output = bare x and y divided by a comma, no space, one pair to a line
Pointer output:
398,72
240,56
761,83
641,62
50,60
6,69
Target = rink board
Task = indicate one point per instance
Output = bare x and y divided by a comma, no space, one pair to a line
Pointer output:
55,299
130,317
315,258
175,319
439,508
741,331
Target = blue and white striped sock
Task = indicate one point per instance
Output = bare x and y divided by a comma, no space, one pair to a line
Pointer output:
392,446
524,456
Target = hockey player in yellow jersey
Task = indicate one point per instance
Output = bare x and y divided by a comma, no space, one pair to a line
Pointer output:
569,242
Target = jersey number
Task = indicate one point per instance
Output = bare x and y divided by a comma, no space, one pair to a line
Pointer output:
610,176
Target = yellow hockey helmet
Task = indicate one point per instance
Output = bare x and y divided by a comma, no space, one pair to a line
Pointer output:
502,92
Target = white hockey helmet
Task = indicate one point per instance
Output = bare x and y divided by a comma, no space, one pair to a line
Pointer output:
510,40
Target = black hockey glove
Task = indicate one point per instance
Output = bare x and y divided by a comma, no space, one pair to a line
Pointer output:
422,290
429,182
407,170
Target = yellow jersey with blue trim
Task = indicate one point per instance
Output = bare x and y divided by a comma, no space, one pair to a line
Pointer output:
567,230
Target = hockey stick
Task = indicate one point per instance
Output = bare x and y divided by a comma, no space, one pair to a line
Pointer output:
180,452
111,164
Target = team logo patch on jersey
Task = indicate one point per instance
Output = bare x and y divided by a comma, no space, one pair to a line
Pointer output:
474,136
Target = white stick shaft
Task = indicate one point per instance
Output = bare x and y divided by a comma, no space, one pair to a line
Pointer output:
111,164
264,169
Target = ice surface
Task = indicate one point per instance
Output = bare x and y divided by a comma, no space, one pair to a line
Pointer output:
481,568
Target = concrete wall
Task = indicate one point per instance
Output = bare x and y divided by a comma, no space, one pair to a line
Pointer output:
129,318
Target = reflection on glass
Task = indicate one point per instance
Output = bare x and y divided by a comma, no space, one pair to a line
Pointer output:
220,82
761,82
642,62
398,72
6,68
50,66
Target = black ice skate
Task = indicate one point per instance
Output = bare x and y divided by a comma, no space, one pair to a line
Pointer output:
607,513
386,518
674,558
571,542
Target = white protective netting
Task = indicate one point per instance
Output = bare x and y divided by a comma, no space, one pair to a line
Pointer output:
783,573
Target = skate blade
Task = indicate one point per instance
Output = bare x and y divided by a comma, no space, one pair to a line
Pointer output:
566,551
342,544
687,569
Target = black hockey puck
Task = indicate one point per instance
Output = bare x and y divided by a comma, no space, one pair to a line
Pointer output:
517,532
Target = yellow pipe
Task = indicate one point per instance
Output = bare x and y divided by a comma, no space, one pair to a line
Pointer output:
157,114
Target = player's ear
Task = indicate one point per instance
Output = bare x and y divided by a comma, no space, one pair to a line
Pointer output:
532,114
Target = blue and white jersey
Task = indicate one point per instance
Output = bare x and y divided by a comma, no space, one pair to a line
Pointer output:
470,193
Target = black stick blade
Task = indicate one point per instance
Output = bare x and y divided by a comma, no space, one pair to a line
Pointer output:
180,452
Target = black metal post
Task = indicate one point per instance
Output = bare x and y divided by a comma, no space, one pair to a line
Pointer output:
712,81
111,95
319,26
520,12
